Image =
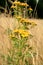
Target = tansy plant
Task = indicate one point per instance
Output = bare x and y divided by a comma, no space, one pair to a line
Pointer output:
21,52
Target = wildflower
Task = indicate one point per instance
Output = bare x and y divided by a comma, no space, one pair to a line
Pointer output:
20,4
30,9
23,33
18,31
13,6
25,20
16,3
24,4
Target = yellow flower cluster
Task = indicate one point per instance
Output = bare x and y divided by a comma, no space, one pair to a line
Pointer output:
30,9
25,20
13,6
20,4
23,33
17,3
24,4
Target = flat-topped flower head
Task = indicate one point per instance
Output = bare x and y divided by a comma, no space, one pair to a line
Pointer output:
30,9
22,32
18,30
25,33
24,4
20,4
25,20
13,6
16,3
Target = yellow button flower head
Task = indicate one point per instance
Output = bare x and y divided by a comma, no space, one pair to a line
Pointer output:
16,3
30,9
25,20
24,4
18,30
23,33
13,6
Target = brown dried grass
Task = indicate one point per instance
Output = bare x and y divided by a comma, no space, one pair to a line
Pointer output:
36,41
